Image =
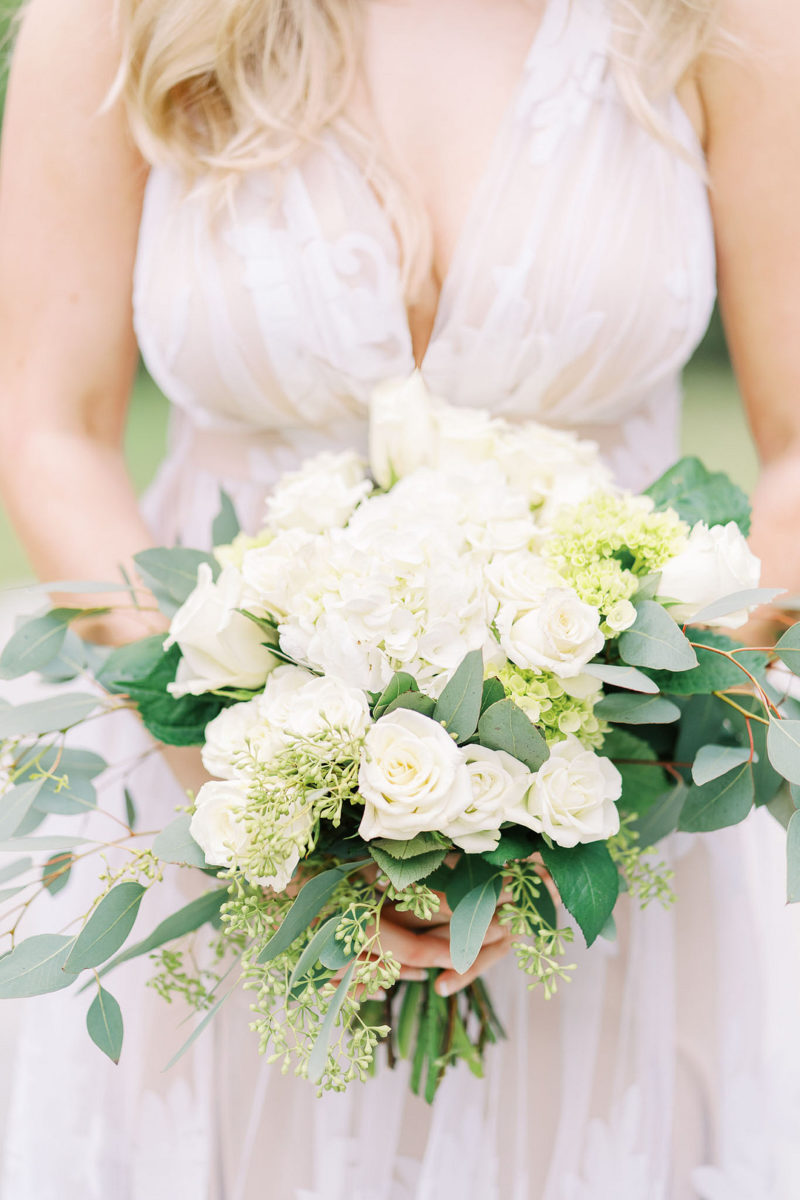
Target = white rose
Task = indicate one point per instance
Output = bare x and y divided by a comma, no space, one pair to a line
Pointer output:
219,831
325,701
573,796
220,647
521,577
464,436
401,428
499,781
268,736
321,495
412,777
714,563
226,738
561,635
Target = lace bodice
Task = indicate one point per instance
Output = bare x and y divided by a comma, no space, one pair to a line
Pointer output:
581,282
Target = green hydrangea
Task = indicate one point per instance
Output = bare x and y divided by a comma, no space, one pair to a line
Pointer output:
605,544
545,700
233,553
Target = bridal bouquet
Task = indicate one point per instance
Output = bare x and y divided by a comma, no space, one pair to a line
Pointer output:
471,672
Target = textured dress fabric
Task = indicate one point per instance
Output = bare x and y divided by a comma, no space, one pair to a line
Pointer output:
581,283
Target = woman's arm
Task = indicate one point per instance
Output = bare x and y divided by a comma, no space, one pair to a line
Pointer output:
71,185
752,110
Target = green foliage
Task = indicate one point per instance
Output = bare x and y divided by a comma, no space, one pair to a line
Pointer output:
515,842
176,722
625,709
53,715
724,801
39,641
654,640
504,726
309,902
15,805
788,648
646,878
459,706
470,921
493,691
587,882
400,683
175,844
226,523
104,1024
627,678
793,860
187,919
698,495
713,761
403,872
107,928
783,748
36,966
714,672
131,664
642,781
171,573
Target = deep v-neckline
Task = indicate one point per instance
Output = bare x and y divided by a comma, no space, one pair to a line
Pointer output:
552,20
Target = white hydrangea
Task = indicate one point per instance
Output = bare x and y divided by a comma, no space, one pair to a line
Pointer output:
321,495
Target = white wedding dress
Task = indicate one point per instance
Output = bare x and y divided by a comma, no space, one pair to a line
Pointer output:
582,281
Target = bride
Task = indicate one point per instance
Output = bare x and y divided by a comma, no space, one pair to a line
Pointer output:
284,203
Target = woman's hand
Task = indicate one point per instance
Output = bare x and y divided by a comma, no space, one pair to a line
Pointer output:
419,949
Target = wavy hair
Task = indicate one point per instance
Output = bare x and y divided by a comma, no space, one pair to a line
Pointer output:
231,85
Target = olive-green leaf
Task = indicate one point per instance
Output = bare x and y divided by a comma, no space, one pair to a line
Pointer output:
12,870
198,1029
56,872
793,860
724,801
504,726
713,761
470,921
104,1024
654,640
310,900
36,966
319,1052
15,804
783,748
398,685
194,914
171,573
423,843
734,603
788,648
627,709
175,844
53,715
226,523
318,943
36,643
107,927
415,701
587,881
459,705
698,495
622,677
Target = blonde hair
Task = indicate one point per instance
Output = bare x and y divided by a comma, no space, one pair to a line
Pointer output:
231,85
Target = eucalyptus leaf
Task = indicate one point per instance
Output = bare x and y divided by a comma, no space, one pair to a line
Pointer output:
504,726
198,1029
408,1017
56,872
175,844
493,691
415,701
310,900
714,672
107,927
459,705
317,945
318,1057
55,714
793,860
192,916
79,796
654,640
15,805
38,641
104,1024
788,648
471,871
470,922
171,573
783,748
334,957
643,781
713,761
35,966
10,893
131,663
587,881
748,598
14,869
401,874
622,677
515,842
400,683
626,709
226,523
45,844
662,817
724,801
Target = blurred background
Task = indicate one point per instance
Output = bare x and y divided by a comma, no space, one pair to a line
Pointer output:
714,424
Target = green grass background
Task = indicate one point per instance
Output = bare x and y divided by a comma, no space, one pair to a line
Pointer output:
714,425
